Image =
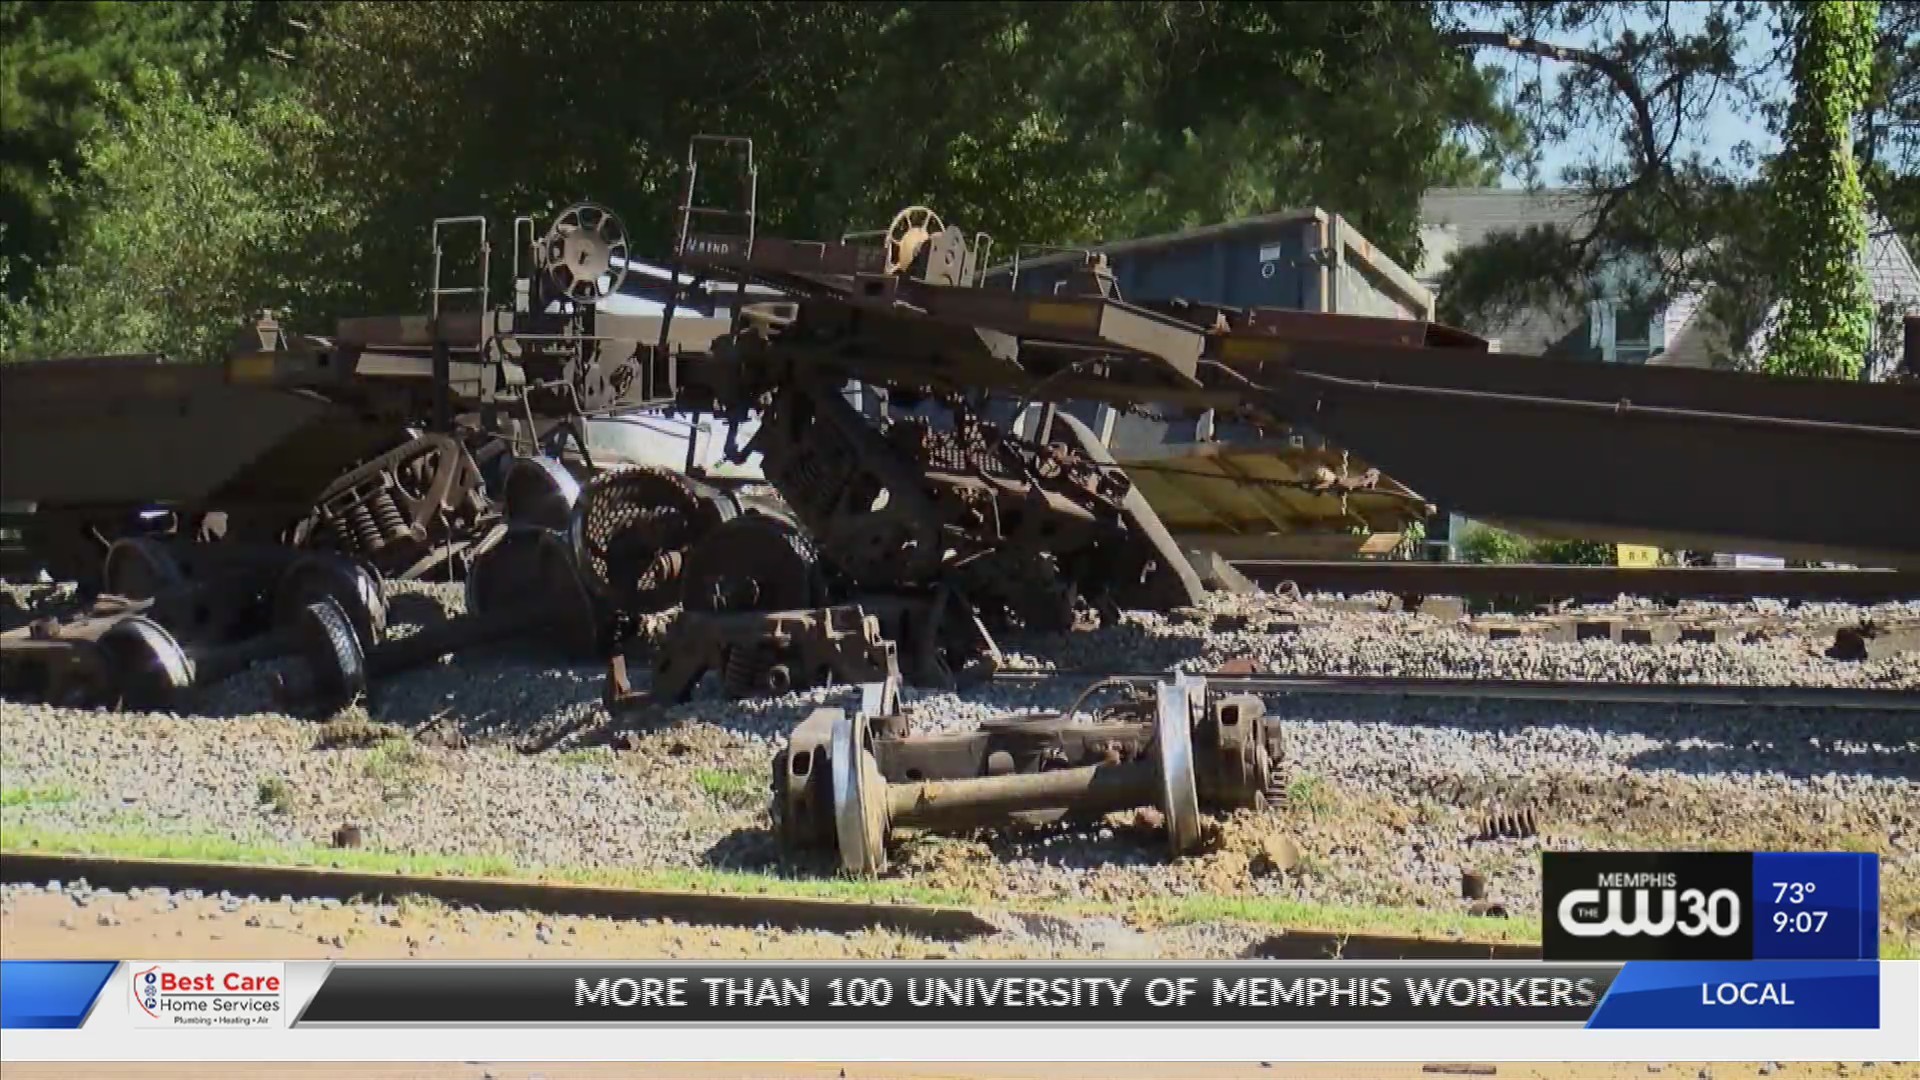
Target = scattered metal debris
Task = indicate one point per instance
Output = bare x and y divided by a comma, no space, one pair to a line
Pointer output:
1520,823
933,641
759,653
454,444
1473,885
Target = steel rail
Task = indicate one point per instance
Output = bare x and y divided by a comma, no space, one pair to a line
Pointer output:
1535,579
498,894
1597,693
693,908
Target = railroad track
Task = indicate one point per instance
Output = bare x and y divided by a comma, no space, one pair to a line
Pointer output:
1675,694
694,908
1549,581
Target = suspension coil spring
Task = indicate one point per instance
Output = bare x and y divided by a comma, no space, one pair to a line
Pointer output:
391,519
366,531
1503,824
745,671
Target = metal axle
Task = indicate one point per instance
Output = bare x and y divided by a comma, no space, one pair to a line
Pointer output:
1092,789
463,632
866,807
526,584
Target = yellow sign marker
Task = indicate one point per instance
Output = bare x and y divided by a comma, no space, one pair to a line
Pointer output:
1636,555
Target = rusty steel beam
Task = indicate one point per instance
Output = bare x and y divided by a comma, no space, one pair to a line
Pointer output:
1580,582
1797,487
1679,457
1346,347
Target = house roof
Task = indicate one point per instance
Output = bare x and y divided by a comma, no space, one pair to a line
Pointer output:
1462,217
1456,218
1892,273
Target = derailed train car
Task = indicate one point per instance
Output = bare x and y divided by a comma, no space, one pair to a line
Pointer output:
935,532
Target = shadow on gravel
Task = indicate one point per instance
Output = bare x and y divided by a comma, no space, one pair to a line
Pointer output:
1695,740
759,851
511,691
1801,759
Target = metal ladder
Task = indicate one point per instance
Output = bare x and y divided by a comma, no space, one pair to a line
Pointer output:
486,256
689,208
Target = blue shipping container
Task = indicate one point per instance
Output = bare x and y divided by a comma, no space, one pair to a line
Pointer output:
1304,260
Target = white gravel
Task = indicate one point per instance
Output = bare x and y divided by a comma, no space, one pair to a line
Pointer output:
1389,793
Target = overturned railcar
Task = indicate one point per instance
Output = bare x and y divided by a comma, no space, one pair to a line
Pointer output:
1227,486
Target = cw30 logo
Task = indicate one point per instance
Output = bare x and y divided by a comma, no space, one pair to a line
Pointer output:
1592,913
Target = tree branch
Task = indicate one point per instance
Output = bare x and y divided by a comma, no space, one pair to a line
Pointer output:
1622,78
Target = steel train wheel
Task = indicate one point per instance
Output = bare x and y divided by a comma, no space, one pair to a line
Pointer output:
755,562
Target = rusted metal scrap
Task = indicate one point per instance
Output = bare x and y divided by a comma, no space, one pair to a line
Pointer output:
526,587
114,654
186,616
759,653
221,593
848,777
372,443
414,510
933,641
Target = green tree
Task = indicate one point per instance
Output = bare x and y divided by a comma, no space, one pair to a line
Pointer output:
1036,122
1826,309
194,209
1888,145
1653,74
59,65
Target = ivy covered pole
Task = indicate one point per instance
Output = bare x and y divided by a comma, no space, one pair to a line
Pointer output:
1826,308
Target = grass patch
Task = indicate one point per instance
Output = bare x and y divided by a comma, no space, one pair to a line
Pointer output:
354,730
1309,794
274,791
394,764
1333,918
590,755
45,795
737,787
1292,915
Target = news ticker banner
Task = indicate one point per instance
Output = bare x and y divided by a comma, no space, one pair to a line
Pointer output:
1779,995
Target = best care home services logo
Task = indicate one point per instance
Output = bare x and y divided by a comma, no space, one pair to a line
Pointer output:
209,995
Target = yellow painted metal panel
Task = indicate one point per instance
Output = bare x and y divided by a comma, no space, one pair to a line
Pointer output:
1053,313
1636,555
1262,491
257,368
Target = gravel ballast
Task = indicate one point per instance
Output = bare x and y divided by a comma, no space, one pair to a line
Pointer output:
1386,799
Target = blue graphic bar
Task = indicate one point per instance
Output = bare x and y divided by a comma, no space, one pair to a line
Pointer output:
1816,906
1775,995
50,993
